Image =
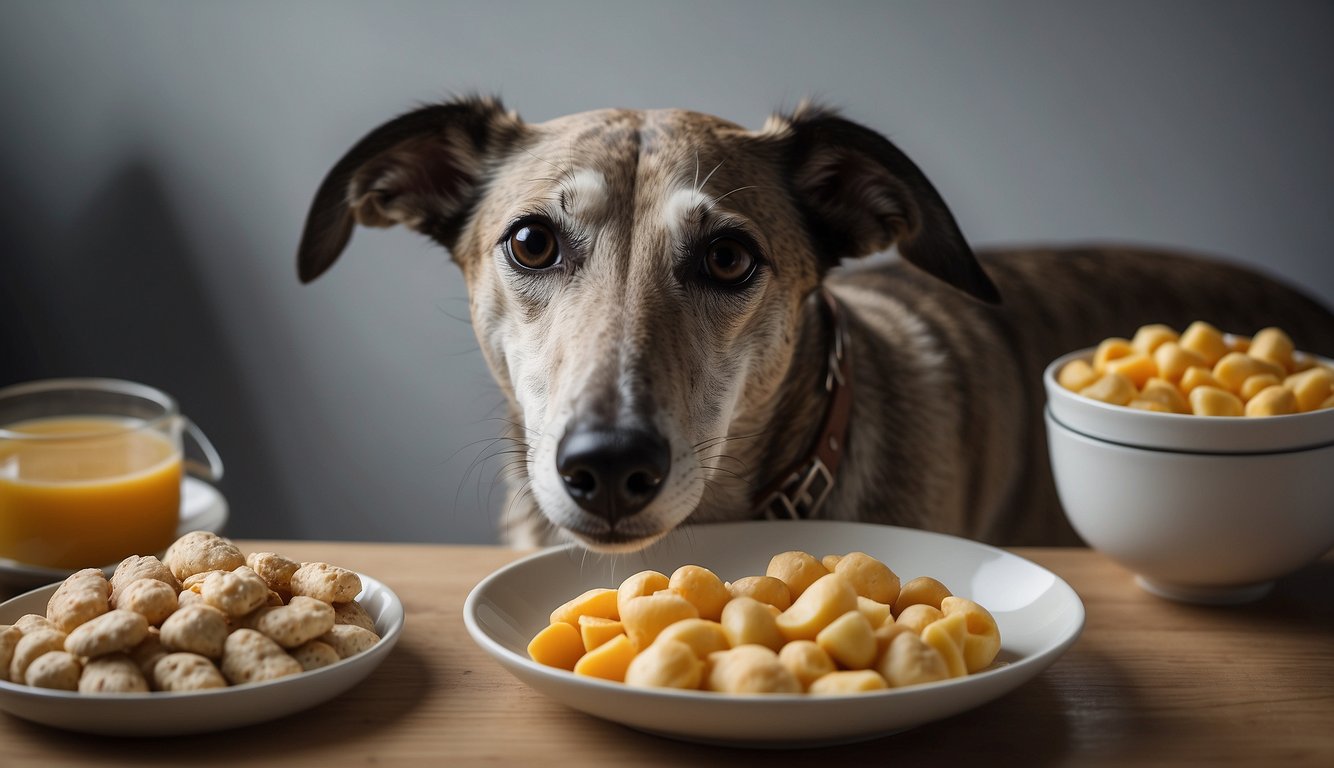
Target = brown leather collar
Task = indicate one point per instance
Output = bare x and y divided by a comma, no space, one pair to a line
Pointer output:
800,490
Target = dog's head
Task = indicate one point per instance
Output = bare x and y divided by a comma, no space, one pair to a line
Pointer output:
637,279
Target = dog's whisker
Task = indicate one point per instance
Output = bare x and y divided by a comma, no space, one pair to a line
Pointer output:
704,183
719,198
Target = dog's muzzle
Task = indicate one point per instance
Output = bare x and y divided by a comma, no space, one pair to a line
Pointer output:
612,472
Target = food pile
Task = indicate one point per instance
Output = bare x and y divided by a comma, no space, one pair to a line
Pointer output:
843,624
205,616
1202,372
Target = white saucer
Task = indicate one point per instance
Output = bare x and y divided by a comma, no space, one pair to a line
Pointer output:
203,508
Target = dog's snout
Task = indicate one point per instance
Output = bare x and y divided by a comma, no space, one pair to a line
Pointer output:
612,473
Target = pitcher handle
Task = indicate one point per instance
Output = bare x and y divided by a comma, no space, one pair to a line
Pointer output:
212,470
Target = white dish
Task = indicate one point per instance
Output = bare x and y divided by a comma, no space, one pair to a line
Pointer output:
1180,432
1039,616
203,508
176,714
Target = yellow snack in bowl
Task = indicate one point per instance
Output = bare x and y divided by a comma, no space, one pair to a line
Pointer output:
848,681
747,621
869,577
702,589
595,630
806,660
1074,376
766,589
922,590
644,617
1253,385
608,661
1215,401
981,641
1196,376
1164,393
1109,350
595,602
665,664
1173,361
1138,367
1235,367
1311,387
849,640
948,636
915,618
910,661
638,585
1204,340
798,570
1112,388
876,613
1150,337
703,636
828,598
1272,401
1274,346
559,645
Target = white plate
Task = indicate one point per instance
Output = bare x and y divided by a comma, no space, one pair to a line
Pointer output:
1039,616
176,714
203,508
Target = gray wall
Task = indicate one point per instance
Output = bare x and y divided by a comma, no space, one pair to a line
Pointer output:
158,157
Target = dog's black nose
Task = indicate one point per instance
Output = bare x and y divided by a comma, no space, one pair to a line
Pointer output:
612,473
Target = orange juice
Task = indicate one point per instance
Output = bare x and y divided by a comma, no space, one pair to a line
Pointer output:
83,491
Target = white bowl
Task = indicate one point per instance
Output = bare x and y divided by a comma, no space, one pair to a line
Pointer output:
1171,431
1194,526
1039,616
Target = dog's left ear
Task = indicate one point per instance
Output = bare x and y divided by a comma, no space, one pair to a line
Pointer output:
861,195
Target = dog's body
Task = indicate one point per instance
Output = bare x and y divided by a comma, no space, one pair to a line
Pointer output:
643,287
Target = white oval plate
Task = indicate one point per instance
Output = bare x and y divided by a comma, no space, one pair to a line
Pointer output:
1039,616
203,508
175,714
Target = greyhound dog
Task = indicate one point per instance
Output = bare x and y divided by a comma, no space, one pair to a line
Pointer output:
660,297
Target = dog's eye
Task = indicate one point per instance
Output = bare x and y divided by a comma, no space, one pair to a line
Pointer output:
532,245
729,261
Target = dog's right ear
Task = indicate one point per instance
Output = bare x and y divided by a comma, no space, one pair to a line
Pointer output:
422,170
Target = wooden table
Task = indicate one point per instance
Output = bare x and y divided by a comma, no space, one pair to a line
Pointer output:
1149,682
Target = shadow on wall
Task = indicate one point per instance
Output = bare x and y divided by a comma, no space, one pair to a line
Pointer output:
111,293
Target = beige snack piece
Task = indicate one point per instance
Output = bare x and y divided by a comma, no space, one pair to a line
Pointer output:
135,568
922,590
112,632
300,621
200,551
749,669
639,585
806,660
746,621
352,613
644,617
315,654
849,640
116,673
348,640
326,582
236,593
186,672
869,577
828,598
84,595
766,589
55,669
154,600
33,644
200,629
703,636
848,681
31,622
665,664
9,640
701,588
910,661
250,657
916,617
145,655
275,569
798,570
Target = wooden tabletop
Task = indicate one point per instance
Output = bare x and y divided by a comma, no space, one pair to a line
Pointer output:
1149,682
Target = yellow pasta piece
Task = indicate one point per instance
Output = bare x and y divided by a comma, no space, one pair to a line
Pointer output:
916,617
1074,376
702,588
1112,388
1213,401
1149,337
1197,377
828,598
981,641
644,617
638,585
1109,350
948,636
665,664
748,622
766,589
1272,401
849,640
1204,340
875,612
703,636
595,631
1166,394
1235,367
924,590
608,661
848,681
559,645
869,577
1253,385
1274,346
798,570
1311,387
1138,367
1173,361
595,602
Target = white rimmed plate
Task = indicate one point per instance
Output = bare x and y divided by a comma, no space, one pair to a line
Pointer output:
203,508
1039,616
175,714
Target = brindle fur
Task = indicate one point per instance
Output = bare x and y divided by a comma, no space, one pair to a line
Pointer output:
946,431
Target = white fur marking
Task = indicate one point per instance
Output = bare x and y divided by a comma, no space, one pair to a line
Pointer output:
586,194
680,208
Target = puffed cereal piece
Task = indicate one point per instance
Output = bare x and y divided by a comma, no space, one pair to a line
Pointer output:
766,589
798,570
113,632
1172,361
665,664
1165,393
249,657
917,617
1276,400
1150,337
1204,340
352,613
806,660
1196,377
154,600
1108,350
135,568
300,621
848,681
9,639
31,622
1137,367
644,617
1235,367
236,593
29,647
189,597
558,645
314,654
948,636
348,640
749,669
869,577
849,640
910,661
55,669
828,598
1112,387
702,588
924,590
595,630
1074,376
1213,401
326,582
84,595
146,654
200,551
199,629
639,585
186,672
1274,346
746,621
981,641
703,636
114,673
1311,387
275,569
